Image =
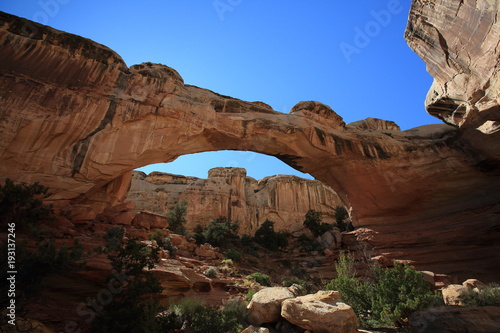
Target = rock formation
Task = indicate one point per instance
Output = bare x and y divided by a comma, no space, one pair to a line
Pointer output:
229,192
78,120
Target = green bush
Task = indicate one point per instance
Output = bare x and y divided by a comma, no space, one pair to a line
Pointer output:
290,281
341,215
34,266
211,272
133,309
270,239
201,318
198,234
221,232
250,294
233,254
177,218
21,204
262,279
388,298
164,242
307,244
237,308
313,223
484,296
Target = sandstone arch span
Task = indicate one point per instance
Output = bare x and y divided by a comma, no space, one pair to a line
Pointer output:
77,119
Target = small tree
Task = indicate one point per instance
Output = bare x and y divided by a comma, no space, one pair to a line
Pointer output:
341,215
313,222
388,297
270,239
22,204
177,218
133,309
221,231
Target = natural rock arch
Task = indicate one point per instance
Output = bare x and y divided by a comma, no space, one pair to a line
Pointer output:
77,119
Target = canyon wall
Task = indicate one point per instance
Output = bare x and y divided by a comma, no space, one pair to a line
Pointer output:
229,192
77,119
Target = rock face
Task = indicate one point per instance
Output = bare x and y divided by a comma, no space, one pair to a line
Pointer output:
75,118
459,42
322,312
457,319
229,192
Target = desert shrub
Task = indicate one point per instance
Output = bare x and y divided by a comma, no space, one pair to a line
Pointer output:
291,280
388,298
34,266
209,319
307,244
133,309
313,222
211,272
198,234
261,279
341,215
246,240
250,294
270,239
227,267
233,254
485,296
237,308
201,318
177,218
221,232
114,239
21,204
164,242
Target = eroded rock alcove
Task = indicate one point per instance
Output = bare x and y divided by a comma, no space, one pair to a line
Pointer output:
78,120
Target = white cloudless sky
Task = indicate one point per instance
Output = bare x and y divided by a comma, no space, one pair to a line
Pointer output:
351,56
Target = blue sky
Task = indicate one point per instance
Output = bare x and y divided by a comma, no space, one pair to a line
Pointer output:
349,55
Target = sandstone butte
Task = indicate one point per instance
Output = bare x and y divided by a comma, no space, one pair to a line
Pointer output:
75,118
229,192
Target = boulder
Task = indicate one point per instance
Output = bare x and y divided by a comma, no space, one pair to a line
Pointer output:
254,329
331,239
322,312
451,294
265,306
473,283
149,221
457,320
206,251
125,218
79,213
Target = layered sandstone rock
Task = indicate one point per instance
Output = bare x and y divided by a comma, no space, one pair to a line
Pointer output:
322,312
229,192
78,120
458,40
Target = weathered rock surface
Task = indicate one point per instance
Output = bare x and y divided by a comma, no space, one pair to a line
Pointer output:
322,312
458,40
265,306
78,120
229,192
451,294
457,319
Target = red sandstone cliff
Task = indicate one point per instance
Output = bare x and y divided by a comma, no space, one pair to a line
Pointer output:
229,192
76,119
